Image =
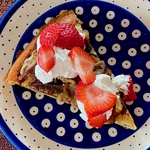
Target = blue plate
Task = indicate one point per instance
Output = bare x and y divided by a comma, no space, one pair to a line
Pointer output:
123,42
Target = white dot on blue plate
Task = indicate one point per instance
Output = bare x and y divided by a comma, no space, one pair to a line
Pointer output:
61,131
116,47
108,28
45,123
95,10
48,107
112,132
122,36
102,50
34,110
26,95
145,48
47,20
92,23
138,73
126,64
99,37
136,87
74,123
59,102
148,81
35,32
125,23
73,109
39,96
146,97
79,10
96,136
129,103
25,45
78,137
132,52
136,33
110,15
138,111
112,61
60,117
88,126
148,64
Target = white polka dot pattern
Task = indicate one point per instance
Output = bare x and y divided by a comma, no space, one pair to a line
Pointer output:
27,131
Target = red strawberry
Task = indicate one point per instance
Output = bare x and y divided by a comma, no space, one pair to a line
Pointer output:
46,59
96,101
131,94
97,121
49,35
69,37
83,64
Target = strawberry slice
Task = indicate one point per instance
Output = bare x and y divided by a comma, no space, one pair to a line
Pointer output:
131,94
69,37
97,121
83,64
46,58
49,35
96,101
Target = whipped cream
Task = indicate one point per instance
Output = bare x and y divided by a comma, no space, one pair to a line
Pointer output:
102,81
63,66
121,82
113,85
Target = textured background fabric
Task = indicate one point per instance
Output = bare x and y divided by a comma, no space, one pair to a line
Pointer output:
4,143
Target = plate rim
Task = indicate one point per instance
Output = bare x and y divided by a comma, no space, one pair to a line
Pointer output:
4,129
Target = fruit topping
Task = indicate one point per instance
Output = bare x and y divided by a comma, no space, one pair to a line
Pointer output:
63,35
97,121
69,37
96,100
49,35
131,96
46,58
83,64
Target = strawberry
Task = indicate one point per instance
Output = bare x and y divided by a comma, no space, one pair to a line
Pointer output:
96,100
49,35
97,121
69,37
46,58
83,64
131,94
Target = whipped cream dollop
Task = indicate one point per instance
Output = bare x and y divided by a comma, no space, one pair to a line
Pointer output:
121,82
105,82
63,66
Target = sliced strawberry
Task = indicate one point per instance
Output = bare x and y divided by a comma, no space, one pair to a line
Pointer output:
49,35
46,58
69,37
83,64
96,101
97,121
131,94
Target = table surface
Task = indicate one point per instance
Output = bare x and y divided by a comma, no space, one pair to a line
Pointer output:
4,143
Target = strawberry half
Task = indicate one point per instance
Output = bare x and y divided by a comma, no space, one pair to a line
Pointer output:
83,64
46,58
69,37
49,35
96,101
97,121
131,94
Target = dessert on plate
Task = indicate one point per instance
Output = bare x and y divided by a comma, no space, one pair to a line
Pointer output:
61,63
